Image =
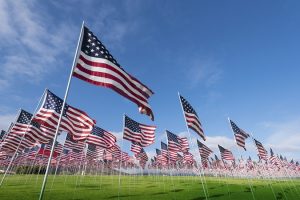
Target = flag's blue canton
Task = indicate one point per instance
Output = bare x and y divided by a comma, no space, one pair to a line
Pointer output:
98,131
200,145
93,47
259,144
2,134
65,151
76,151
35,148
164,146
216,157
187,107
53,102
142,151
271,152
26,150
70,138
132,125
92,147
56,144
172,137
24,117
221,149
158,152
237,130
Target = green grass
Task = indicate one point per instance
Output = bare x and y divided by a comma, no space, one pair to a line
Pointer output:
22,187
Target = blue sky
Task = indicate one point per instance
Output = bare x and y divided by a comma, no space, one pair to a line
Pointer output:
237,59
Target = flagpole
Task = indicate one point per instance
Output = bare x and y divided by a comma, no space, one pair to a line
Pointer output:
270,185
58,162
201,170
13,157
170,169
120,165
250,185
61,113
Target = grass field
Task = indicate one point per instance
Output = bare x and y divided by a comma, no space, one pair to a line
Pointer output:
22,187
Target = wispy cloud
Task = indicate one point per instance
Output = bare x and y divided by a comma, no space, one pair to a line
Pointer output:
284,137
5,120
31,42
206,72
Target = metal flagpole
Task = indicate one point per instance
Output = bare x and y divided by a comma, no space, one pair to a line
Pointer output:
270,184
16,152
170,168
120,165
241,154
58,162
61,113
13,157
187,127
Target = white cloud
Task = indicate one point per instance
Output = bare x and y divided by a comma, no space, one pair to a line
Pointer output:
284,138
31,41
5,120
118,135
206,72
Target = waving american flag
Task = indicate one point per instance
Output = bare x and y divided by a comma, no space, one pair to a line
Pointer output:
74,121
225,153
101,138
97,66
191,117
139,133
239,134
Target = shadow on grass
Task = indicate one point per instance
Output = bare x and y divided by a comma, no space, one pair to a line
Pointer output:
279,196
247,189
177,190
121,196
159,193
199,198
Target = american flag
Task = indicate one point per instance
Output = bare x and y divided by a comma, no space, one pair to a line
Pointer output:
135,147
203,150
4,156
101,138
160,158
262,152
188,157
172,156
225,153
3,132
97,66
58,148
274,160
91,151
139,133
70,143
164,149
32,130
116,151
191,117
184,144
173,142
12,142
142,156
74,121
239,134
16,136
108,155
